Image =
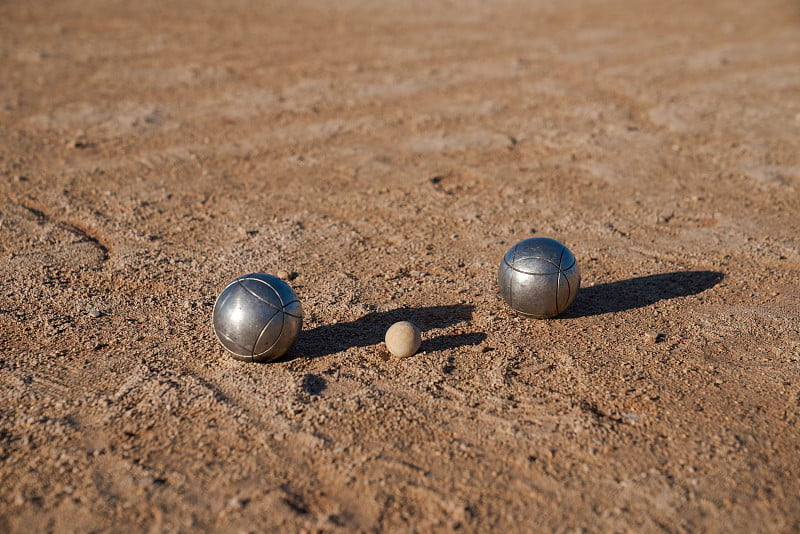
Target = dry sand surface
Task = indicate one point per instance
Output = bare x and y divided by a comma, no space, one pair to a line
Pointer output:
386,155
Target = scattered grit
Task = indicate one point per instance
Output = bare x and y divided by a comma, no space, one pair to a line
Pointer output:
382,156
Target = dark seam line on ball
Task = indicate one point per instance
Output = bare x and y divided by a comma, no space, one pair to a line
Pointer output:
260,281
291,314
558,283
569,287
510,284
283,305
271,305
237,345
277,339
558,290
533,258
283,322
561,270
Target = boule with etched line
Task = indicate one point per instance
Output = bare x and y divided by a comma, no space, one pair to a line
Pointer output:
257,317
539,277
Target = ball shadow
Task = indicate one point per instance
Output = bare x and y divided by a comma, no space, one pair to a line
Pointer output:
313,385
452,341
639,292
371,329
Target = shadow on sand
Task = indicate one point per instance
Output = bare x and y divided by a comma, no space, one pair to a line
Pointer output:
371,329
640,292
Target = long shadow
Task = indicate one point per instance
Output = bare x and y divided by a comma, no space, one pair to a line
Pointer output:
371,329
452,341
640,292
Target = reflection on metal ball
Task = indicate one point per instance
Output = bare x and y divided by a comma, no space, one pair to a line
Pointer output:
539,277
257,317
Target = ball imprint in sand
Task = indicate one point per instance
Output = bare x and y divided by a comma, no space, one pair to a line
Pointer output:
403,339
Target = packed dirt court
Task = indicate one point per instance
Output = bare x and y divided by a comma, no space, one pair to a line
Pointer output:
383,156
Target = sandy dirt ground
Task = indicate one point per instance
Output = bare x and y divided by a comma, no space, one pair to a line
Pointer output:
386,155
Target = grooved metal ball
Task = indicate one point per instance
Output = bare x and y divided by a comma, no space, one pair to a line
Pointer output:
539,277
257,317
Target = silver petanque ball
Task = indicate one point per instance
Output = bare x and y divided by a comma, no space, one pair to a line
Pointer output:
539,277
257,317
